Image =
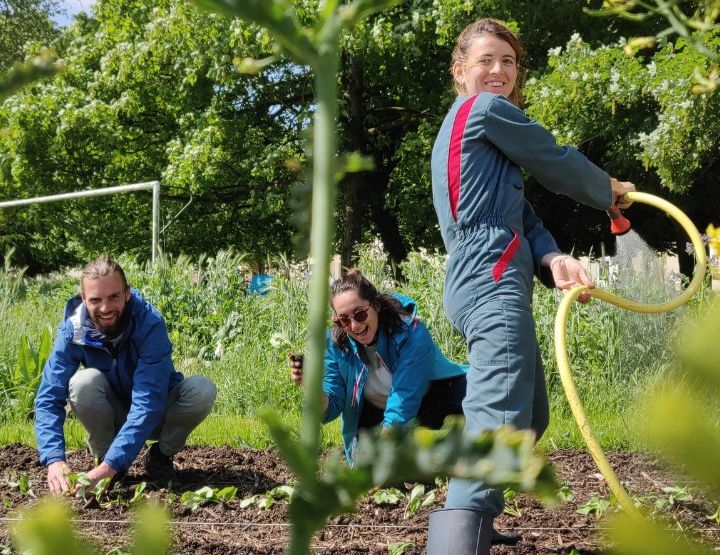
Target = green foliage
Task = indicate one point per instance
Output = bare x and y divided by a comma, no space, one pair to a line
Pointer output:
639,111
156,90
703,16
201,301
684,434
46,529
382,457
12,285
24,24
20,383
151,531
139,494
150,92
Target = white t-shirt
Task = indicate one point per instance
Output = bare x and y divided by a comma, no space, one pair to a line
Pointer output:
379,379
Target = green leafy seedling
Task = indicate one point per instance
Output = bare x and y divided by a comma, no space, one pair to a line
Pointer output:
418,500
511,506
22,482
139,495
565,494
195,499
677,494
441,482
266,500
228,493
596,505
79,483
389,496
399,548
249,501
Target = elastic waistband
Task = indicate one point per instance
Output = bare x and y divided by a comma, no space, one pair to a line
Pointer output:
464,233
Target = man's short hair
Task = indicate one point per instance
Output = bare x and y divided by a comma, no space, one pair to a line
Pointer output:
101,267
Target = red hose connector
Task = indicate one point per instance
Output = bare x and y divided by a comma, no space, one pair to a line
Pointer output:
619,224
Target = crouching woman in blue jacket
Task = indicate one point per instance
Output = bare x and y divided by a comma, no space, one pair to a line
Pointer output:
381,365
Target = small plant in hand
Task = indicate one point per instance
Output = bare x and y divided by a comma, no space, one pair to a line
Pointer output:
195,499
81,487
266,500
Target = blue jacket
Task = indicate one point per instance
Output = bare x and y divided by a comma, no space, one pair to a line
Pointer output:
493,238
411,357
141,374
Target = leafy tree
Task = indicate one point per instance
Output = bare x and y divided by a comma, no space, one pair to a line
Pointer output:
155,90
152,91
23,22
640,119
397,88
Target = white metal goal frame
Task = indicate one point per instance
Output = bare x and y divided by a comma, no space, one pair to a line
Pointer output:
150,185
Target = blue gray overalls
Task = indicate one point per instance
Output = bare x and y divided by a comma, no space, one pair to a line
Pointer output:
495,243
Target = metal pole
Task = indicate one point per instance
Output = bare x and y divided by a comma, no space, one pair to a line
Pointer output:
154,185
155,221
79,194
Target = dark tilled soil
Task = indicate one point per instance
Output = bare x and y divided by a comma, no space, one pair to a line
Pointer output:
226,528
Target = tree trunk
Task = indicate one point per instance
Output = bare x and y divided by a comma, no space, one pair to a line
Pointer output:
363,193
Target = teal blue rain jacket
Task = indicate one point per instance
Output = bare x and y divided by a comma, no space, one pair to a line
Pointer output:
411,357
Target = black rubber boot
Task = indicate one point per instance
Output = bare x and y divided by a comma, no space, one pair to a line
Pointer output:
510,538
459,532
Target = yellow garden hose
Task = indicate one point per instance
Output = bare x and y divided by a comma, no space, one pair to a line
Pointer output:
561,352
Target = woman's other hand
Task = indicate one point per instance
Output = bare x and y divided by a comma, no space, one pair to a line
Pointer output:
568,273
296,368
619,188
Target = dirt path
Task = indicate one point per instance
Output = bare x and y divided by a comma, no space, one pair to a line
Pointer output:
226,528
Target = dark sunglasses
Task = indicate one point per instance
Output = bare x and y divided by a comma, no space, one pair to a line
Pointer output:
360,315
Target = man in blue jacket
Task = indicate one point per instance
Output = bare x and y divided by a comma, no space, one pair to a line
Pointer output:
127,391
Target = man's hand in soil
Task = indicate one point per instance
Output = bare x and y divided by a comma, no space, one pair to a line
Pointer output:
101,471
57,477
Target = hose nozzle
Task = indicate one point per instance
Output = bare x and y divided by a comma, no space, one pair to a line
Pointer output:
619,224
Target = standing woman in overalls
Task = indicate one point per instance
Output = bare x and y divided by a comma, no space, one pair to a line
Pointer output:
495,244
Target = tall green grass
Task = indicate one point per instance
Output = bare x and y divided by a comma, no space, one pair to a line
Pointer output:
241,341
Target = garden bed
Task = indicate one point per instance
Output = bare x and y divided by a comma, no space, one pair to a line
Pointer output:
227,528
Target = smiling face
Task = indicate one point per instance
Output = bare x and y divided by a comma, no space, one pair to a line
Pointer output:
105,299
489,66
347,303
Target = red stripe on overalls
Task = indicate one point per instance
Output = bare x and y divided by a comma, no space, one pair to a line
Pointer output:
505,258
455,153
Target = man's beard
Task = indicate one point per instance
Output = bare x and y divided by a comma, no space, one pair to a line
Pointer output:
114,329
